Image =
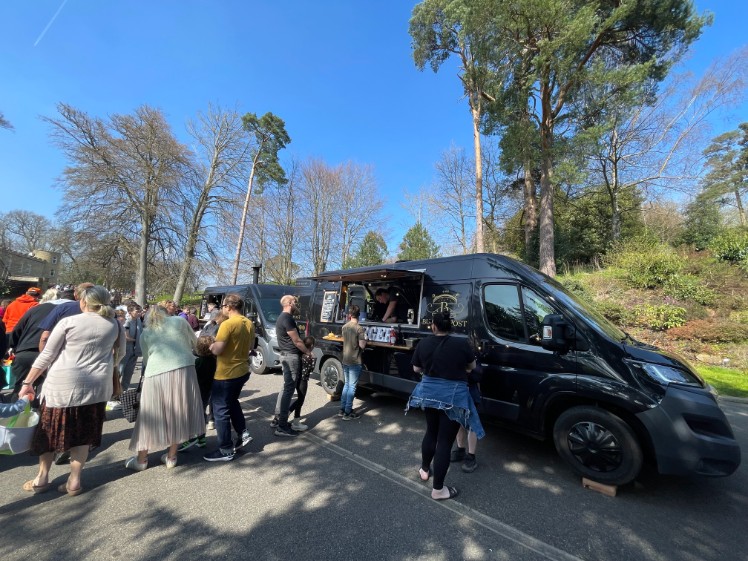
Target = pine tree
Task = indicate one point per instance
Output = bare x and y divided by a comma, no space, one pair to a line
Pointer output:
417,244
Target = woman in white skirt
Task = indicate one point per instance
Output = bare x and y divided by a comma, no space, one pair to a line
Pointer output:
171,410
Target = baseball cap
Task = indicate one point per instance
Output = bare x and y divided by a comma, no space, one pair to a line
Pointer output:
34,291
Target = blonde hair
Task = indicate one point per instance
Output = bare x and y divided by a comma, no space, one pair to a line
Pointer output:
287,300
154,319
50,294
97,298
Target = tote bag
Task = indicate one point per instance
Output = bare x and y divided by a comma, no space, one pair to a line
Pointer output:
130,400
16,432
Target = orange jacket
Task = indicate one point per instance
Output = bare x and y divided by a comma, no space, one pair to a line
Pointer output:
16,309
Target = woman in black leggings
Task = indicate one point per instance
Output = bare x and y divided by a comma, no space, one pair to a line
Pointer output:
445,361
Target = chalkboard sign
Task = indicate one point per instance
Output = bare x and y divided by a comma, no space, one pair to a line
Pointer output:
328,307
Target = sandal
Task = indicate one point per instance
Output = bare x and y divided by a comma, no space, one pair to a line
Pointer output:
72,492
453,492
428,473
36,489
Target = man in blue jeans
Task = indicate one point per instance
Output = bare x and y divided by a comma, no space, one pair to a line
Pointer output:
354,343
235,338
291,348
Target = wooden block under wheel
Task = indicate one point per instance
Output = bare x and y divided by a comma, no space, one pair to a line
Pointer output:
609,490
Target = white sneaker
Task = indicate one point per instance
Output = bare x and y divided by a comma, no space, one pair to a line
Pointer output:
113,405
168,462
298,426
210,425
134,465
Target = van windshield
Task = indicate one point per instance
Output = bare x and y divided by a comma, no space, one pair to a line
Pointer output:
585,310
271,309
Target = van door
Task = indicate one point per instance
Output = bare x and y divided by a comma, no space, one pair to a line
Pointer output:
518,374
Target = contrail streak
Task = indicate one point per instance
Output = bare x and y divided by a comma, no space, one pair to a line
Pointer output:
54,17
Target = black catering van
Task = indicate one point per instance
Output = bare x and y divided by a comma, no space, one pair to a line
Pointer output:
262,306
552,366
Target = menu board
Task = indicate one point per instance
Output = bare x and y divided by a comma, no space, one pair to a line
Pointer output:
328,306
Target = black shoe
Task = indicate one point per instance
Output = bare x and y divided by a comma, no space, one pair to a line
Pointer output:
351,416
469,465
63,458
219,455
285,431
457,455
274,422
341,413
242,441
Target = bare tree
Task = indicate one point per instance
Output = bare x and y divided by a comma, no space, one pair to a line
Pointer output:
26,231
320,188
358,205
221,156
128,163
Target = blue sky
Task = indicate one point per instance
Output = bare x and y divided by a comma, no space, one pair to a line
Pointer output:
339,72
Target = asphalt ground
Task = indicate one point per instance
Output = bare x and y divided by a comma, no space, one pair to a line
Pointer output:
350,490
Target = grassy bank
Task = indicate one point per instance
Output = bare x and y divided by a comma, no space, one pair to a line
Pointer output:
726,381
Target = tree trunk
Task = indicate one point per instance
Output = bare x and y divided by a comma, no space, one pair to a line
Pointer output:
741,210
245,210
547,254
531,210
479,247
141,294
189,250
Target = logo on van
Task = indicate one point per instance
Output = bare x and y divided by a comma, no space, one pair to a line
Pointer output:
446,302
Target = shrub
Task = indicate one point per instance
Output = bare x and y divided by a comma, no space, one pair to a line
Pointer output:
645,264
712,331
739,316
660,317
687,287
575,286
614,312
731,245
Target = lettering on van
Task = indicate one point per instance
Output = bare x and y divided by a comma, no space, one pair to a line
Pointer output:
378,333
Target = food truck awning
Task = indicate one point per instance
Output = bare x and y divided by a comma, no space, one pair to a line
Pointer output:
383,274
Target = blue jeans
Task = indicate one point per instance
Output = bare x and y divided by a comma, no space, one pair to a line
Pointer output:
351,372
291,365
227,411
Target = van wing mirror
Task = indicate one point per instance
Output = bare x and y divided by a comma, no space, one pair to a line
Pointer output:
559,336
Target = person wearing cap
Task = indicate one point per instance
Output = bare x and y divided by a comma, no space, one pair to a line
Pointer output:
18,307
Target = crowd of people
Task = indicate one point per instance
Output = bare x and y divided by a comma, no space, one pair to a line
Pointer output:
73,355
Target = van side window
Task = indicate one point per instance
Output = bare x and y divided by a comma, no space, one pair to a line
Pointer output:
504,311
536,308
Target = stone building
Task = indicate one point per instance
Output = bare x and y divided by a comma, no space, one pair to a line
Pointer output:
19,271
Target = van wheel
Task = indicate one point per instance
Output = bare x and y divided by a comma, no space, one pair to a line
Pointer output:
331,376
257,363
598,445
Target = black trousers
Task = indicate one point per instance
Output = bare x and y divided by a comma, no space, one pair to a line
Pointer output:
437,443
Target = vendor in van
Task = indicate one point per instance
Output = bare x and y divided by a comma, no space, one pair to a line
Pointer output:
389,301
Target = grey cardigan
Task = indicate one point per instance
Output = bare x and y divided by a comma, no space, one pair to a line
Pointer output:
80,360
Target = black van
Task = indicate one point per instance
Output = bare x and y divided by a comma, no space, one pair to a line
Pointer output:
262,306
553,367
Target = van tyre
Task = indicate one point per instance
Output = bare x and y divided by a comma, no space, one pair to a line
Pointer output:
331,376
257,363
598,445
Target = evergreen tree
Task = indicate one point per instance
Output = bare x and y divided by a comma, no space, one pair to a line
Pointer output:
417,244
372,251
703,221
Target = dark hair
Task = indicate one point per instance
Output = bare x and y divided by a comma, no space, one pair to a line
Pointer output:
67,294
354,311
442,321
133,306
233,301
381,291
309,341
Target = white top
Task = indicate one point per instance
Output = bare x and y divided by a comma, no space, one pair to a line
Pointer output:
80,361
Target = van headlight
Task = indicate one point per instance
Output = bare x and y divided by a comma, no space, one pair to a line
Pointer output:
665,374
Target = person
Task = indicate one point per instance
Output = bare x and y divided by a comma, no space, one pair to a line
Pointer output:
79,358
120,316
3,305
205,368
15,310
211,328
192,319
443,395
234,339
302,386
12,409
467,441
24,340
49,295
69,308
170,405
291,349
170,307
388,300
211,312
133,330
354,343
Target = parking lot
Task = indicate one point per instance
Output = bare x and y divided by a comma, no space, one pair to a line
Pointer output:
350,490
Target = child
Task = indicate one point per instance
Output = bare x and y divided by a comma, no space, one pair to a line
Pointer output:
205,367
302,384
11,409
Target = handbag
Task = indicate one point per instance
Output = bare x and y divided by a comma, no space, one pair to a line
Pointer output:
130,400
17,432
